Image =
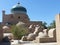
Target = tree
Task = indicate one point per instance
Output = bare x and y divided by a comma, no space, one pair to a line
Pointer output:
52,25
18,32
44,25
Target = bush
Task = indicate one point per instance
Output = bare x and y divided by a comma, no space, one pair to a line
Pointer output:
18,32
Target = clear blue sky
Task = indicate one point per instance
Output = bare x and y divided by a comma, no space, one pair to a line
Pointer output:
37,10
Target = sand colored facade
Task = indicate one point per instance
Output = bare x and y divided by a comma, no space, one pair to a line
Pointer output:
58,28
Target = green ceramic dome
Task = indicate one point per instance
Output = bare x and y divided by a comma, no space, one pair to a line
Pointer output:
18,9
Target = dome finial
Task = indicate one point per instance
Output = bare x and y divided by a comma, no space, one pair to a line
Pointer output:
18,9
18,3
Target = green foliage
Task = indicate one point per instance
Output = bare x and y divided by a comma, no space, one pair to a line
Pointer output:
52,25
19,31
44,25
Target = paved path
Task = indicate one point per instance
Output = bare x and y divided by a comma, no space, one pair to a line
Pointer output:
41,44
26,43
37,44
31,43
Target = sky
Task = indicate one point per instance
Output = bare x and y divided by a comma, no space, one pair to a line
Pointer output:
37,10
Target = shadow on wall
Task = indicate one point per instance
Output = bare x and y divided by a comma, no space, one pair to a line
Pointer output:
5,41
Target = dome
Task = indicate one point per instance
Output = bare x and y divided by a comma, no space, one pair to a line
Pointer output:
5,27
20,23
41,35
51,32
31,36
18,9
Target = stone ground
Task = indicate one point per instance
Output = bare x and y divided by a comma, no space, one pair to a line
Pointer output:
15,42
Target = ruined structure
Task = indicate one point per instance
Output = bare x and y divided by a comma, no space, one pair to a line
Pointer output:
44,37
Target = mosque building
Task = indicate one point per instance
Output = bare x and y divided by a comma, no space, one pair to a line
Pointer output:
19,14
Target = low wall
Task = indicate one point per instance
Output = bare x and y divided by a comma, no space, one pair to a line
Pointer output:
43,40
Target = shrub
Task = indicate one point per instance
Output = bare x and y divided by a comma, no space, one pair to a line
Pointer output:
18,32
